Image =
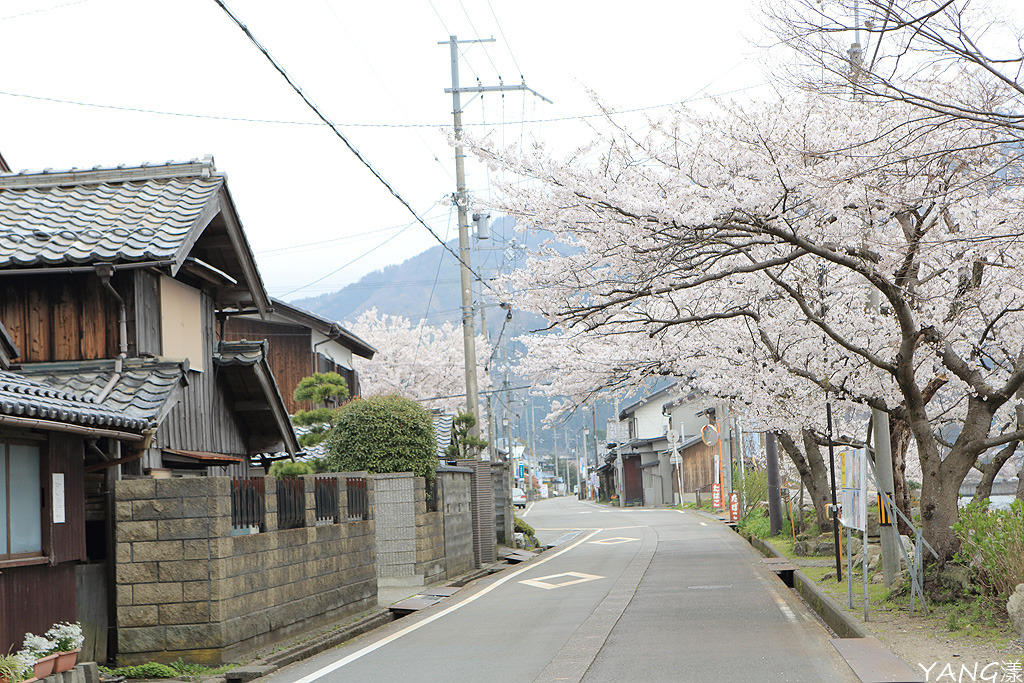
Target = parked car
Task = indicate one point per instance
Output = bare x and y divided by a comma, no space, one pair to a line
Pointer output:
518,498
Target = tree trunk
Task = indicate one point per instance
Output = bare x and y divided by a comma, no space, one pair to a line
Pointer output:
1020,481
899,437
990,470
813,473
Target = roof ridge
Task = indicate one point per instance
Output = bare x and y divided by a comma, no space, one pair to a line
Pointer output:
110,174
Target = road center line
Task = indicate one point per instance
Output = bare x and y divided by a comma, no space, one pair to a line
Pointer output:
412,627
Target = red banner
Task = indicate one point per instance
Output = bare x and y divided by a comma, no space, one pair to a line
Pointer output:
734,507
716,496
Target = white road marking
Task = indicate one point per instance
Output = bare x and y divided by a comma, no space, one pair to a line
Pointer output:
334,666
548,585
613,541
703,523
783,607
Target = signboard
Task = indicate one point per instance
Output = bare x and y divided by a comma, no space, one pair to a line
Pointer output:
734,507
59,508
543,490
716,496
519,470
854,513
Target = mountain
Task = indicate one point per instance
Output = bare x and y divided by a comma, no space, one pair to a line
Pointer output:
427,285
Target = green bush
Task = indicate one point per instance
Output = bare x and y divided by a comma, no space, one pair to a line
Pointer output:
992,543
149,670
524,528
383,434
754,523
287,468
321,387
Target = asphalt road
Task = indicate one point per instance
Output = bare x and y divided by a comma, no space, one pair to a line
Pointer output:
637,595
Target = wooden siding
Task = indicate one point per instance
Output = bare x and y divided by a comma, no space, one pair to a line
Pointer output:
67,540
288,353
698,466
144,315
203,419
34,598
60,317
632,490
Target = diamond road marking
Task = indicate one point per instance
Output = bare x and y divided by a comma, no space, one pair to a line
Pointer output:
614,541
546,585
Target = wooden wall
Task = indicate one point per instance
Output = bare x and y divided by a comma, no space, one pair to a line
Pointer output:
34,597
289,354
698,466
60,317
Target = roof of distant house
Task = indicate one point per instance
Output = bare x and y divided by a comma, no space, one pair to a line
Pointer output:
325,326
632,407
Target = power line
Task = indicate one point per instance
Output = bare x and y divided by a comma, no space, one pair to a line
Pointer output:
442,125
44,9
340,136
505,39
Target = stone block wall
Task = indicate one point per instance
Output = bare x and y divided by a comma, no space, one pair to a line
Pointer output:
186,587
502,482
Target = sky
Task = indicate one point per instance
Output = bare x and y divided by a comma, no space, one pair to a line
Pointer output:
108,82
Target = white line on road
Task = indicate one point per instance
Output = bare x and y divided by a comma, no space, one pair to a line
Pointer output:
412,627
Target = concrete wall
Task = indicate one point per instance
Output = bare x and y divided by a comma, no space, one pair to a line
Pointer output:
455,500
502,483
410,540
187,588
416,547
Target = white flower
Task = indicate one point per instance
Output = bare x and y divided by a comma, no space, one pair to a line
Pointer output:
37,647
66,636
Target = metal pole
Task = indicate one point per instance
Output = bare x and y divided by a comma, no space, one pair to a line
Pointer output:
468,333
832,469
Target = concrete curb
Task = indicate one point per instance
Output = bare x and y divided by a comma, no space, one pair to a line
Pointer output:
830,611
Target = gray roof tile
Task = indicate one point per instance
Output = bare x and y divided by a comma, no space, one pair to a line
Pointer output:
119,215
141,392
21,396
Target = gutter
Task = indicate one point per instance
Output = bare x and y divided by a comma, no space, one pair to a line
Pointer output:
35,423
104,271
84,269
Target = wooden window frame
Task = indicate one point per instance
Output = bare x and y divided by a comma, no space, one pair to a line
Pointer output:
38,556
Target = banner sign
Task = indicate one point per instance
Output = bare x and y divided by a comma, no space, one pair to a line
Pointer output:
854,512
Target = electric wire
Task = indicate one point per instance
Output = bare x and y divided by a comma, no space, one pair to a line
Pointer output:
508,45
42,10
341,136
242,119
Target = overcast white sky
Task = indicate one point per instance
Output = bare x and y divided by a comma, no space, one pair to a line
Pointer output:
375,68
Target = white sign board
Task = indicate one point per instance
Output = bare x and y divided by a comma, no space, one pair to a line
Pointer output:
854,482
59,507
543,490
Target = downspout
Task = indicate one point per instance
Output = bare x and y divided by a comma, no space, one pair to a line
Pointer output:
104,271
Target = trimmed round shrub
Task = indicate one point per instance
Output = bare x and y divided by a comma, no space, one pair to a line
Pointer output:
383,434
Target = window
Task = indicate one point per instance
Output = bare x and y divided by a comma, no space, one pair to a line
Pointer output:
21,500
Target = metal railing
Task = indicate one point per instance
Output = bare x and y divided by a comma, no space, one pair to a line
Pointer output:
325,494
291,503
358,499
248,509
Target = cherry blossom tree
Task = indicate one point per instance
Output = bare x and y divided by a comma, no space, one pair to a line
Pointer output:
866,249
419,361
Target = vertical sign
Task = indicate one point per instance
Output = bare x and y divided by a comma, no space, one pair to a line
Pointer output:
734,507
58,498
854,509
716,496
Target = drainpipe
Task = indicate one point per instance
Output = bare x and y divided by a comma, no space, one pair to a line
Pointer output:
104,271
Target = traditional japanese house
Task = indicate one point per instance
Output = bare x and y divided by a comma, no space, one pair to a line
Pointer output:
111,283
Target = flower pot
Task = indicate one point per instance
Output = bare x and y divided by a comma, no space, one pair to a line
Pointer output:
66,660
45,666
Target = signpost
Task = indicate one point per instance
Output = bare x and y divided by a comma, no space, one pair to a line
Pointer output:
734,507
676,459
854,514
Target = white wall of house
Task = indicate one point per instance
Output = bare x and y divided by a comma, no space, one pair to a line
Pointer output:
332,349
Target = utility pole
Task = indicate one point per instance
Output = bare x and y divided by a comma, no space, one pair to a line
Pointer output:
461,202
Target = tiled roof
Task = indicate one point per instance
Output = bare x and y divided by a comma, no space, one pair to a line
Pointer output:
443,433
241,352
118,215
24,397
141,392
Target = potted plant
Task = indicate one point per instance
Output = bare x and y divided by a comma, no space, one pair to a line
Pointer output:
67,639
13,668
41,651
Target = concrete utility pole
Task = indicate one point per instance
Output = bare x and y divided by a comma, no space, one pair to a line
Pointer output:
771,452
461,202
883,468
